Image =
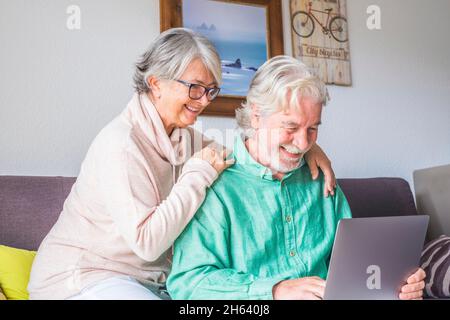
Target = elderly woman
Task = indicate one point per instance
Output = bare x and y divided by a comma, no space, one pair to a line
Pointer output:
143,178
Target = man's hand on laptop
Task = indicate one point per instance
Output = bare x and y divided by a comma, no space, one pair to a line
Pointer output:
413,289
309,288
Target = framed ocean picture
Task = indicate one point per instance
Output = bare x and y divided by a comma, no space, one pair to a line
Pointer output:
245,33
242,42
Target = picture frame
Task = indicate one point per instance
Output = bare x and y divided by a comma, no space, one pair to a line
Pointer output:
171,16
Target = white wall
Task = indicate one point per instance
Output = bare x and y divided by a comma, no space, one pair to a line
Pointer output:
58,88
396,116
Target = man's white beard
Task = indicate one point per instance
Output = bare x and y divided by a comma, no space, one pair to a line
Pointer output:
274,158
283,164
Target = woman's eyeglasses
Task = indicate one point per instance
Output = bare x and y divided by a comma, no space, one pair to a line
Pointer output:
196,91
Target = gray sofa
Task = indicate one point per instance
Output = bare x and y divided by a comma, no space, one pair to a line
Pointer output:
29,206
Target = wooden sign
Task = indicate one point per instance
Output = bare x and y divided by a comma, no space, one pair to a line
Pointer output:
319,31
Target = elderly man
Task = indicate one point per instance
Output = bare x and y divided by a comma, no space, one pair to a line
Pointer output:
265,231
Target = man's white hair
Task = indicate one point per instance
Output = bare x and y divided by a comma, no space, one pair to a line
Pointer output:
170,54
278,85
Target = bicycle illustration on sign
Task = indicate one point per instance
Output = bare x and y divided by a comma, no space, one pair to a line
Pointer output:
320,39
304,23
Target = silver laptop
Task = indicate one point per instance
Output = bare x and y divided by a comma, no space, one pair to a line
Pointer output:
432,189
373,257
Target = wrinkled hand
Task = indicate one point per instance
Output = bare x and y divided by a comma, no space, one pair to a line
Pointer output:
309,288
316,159
216,158
413,289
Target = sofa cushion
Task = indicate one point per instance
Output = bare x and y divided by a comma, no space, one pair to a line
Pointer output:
378,197
435,260
29,207
15,267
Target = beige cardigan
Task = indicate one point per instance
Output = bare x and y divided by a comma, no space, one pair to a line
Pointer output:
124,211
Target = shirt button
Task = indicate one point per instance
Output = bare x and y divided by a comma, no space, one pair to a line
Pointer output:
288,218
292,253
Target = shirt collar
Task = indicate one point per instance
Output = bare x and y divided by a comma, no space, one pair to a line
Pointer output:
250,165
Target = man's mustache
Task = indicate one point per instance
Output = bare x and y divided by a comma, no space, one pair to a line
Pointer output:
292,149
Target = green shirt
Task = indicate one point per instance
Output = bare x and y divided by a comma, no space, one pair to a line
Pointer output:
253,231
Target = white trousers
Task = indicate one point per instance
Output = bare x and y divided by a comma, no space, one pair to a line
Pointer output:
116,288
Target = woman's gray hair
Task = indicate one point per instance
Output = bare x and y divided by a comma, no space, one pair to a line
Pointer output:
170,54
277,86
